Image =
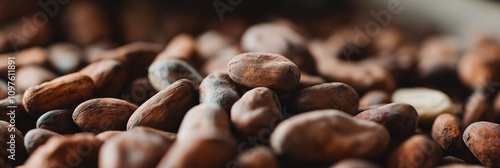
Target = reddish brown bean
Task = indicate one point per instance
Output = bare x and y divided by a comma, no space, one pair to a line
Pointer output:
325,96
165,110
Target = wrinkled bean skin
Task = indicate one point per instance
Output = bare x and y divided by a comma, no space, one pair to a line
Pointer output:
264,70
164,72
64,92
342,137
219,88
205,129
116,112
429,153
165,110
409,113
398,124
446,131
325,96
257,112
482,139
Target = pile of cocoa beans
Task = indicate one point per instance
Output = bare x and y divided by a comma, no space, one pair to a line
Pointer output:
243,92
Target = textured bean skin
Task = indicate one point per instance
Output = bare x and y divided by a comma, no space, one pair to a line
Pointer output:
219,88
264,70
482,139
342,137
165,110
64,92
325,96
102,114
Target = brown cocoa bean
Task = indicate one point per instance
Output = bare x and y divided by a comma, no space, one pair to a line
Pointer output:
219,88
36,138
446,131
133,150
354,163
204,129
264,70
165,110
79,151
482,139
59,121
103,114
325,96
342,137
256,114
418,151
108,75
400,125
478,108
64,92
281,37
164,72
258,157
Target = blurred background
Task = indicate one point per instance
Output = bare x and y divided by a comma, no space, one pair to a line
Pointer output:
86,22
78,32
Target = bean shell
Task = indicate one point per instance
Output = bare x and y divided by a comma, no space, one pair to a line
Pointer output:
164,72
165,110
102,114
446,131
58,121
264,70
256,114
78,151
341,137
482,139
325,96
64,92
36,138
